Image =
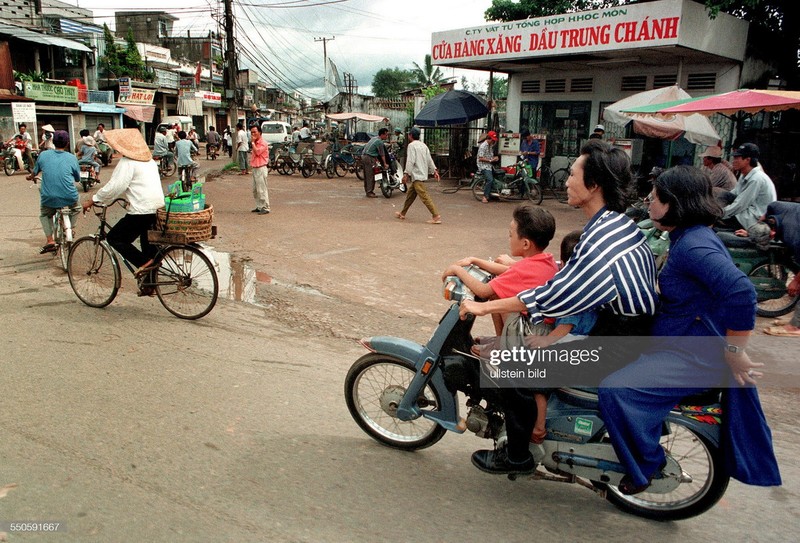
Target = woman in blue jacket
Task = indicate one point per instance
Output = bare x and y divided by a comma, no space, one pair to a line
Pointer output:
707,301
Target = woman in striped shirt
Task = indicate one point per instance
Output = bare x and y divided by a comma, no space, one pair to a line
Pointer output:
612,271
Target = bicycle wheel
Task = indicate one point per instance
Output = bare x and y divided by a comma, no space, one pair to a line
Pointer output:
307,168
771,281
93,271
330,167
360,171
341,168
169,169
186,282
62,244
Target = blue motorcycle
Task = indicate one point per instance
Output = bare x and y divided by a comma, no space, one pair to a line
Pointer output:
405,395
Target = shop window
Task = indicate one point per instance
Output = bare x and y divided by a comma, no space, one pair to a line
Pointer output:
555,85
664,80
634,83
581,84
702,81
531,87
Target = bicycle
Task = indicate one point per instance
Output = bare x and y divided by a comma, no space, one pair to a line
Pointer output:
63,232
555,181
182,276
166,165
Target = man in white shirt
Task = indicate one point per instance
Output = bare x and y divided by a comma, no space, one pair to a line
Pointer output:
419,166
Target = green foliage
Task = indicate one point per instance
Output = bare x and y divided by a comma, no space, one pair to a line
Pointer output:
499,88
430,92
112,59
428,75
389,82
124,61
29,76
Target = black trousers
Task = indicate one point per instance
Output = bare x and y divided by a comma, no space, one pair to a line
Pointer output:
126,231
519,404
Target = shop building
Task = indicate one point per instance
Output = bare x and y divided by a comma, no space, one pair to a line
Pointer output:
565,69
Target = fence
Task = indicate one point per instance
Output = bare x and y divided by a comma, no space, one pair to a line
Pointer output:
453,148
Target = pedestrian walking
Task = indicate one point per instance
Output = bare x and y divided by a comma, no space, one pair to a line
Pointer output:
419,166
242,149
260,164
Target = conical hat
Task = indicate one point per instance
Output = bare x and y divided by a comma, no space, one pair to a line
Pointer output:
129,143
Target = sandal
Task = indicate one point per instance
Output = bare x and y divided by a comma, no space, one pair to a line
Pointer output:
435,220
485,200
399,215
781,331
48,248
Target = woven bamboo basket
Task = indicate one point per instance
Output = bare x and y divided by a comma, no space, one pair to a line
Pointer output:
196,225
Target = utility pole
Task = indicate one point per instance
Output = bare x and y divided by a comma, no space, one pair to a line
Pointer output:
324,62
233,67
351,85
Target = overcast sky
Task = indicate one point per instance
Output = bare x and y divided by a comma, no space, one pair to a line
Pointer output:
368,34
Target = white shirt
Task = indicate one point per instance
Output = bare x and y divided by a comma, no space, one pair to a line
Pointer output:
99,137
305,132
241,141
419,163
138,182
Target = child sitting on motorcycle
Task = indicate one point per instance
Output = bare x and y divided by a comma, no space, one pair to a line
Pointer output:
565,329
529,234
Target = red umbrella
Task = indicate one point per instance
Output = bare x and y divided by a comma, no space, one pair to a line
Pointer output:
731,103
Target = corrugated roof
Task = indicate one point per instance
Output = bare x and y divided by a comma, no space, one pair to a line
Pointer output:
37,37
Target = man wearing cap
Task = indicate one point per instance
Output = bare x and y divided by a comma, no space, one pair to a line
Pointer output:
486,159
721,175
419,167
60,172
135,179
374,153
754,190
599,132
399,147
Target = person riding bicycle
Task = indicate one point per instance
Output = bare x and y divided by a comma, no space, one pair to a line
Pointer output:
161,145
136,179
60,172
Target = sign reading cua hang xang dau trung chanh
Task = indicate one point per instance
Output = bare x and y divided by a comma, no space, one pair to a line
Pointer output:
45,92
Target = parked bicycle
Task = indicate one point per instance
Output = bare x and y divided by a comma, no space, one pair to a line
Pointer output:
339,163
554,182
183,277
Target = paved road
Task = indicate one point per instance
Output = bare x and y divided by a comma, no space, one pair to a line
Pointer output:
130,425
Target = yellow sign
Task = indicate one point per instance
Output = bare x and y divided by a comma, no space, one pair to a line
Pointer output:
142,97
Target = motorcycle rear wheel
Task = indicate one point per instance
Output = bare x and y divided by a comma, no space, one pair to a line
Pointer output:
779,306
699,459
374,387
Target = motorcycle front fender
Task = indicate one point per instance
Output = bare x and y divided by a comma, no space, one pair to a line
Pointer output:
447,414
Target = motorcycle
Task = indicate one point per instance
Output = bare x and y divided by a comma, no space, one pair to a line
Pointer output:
88,177
10,165
769,270
403,395
510,183
212,151
390,178
106,153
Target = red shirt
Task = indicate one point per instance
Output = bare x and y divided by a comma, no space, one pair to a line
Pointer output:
260,152
528,273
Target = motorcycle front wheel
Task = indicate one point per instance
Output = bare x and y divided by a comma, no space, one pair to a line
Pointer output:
703,473
10,166
769,276
535,194
386,190
373,389
477,188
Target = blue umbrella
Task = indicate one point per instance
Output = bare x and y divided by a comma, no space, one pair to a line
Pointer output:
452,107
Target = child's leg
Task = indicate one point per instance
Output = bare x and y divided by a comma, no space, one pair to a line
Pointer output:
539,430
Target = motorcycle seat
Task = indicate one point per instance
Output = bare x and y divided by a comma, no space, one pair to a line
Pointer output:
580,396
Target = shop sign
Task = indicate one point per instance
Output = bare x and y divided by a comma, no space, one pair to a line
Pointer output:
124,86
142,97
213,98
23,112
45,92
624,27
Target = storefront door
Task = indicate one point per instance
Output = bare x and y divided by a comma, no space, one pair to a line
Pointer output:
566,124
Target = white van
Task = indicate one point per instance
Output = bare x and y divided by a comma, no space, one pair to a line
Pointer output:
276,131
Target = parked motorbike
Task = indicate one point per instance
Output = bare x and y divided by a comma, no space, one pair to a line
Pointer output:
212,151
391,178
10,165
510,183
403,395
770,270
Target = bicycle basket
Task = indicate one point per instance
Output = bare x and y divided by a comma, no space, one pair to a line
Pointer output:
196,225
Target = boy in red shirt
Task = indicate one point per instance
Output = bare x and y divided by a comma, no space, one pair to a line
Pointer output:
530,231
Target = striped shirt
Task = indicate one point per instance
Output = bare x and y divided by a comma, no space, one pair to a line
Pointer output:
612,267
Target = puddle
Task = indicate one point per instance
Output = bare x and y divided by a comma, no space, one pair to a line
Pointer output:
238,278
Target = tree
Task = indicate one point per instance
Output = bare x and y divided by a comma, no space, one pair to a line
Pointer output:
112,59
389,82
774,25
499,88
133,59
428,75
